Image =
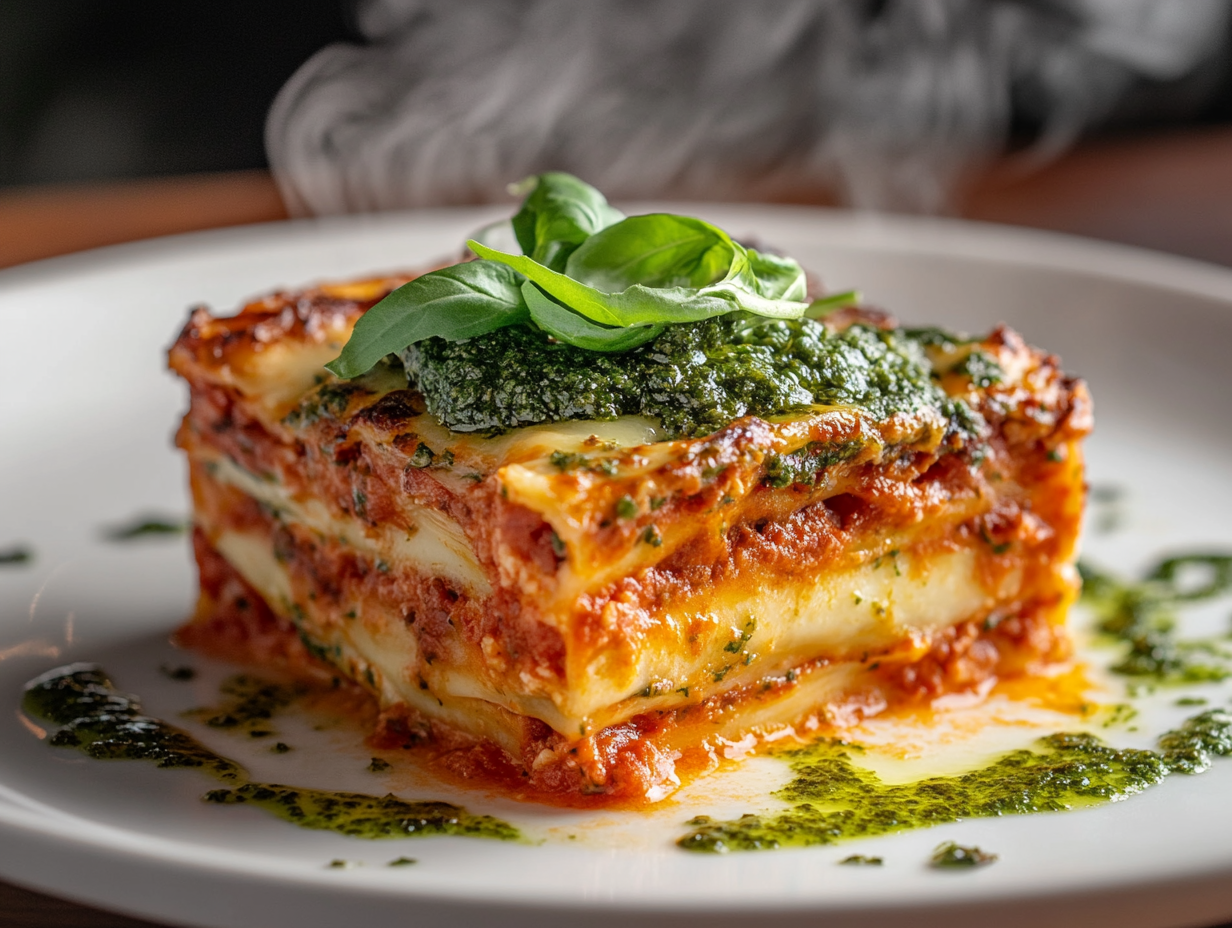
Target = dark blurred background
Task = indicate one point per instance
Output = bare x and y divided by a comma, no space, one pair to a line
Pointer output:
131,118
115,89
95,90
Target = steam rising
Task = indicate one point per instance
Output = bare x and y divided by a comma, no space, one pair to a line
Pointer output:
887,104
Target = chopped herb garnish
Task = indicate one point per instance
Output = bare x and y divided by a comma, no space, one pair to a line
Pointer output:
982,368
402,862
952,856
737,644
626,507
377,765
17,554
861,860
423,456
146,526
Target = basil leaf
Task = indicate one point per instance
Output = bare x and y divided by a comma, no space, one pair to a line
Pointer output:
820,308
637,305
778,278
559,213
567,326
656,250
453,303
742,286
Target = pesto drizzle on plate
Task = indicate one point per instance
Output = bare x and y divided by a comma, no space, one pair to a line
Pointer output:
1142,616
103,723
832,799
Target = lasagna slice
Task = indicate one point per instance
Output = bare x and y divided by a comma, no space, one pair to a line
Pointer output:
596,607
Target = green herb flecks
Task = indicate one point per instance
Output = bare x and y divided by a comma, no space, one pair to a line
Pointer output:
807,464
952,856
146,526
249,704
330,401
1142,616
832,799
103,723
981,368
861,860
16,555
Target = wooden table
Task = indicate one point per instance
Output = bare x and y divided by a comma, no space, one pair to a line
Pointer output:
1173,193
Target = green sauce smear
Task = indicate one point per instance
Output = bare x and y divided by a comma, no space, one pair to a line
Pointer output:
695,378
145,527
17,554
103,723
363,816
1142,616
951,856
834,800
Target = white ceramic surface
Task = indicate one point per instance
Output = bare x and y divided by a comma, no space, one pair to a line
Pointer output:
86,415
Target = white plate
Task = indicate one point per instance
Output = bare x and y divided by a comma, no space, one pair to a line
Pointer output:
87,410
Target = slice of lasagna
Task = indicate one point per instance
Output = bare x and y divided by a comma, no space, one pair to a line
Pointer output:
589,570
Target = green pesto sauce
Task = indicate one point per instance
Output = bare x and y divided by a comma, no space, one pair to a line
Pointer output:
1142,616
17,554
861,860
694,378
952,856
362,816
106,724
145,527
834,800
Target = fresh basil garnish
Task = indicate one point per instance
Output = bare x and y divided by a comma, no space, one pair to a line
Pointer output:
457,302
656,250
565,325
588,277
778,278
635,305
559,213
819,309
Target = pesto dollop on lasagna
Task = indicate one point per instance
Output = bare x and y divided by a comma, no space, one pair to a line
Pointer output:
588,516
